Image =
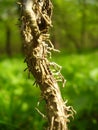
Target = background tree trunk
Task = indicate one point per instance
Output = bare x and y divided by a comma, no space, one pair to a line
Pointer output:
83,24
8,40
35,23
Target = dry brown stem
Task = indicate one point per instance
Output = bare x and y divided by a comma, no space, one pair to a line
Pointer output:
35,22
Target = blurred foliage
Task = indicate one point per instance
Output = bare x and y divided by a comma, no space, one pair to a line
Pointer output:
81,72
75,25
9,31
18,96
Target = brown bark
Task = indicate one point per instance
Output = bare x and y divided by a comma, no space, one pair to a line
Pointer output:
35,23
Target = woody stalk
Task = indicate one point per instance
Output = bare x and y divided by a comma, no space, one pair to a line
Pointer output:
35,20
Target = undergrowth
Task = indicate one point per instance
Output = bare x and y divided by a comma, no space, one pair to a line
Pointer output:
18,95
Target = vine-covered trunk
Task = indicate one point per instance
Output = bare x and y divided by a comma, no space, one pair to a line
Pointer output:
35,17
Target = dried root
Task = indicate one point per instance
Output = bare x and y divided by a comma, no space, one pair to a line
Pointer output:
69,110
35,21
40,113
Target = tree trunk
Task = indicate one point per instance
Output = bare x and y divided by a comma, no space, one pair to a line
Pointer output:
35,23
8,40
83,25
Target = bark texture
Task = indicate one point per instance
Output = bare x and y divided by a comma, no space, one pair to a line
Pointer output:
35,17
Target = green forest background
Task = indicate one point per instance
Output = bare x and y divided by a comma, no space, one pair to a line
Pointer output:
75,33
